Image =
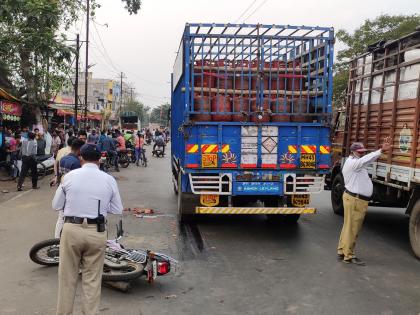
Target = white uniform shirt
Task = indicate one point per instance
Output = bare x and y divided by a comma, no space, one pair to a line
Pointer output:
81,189
356,176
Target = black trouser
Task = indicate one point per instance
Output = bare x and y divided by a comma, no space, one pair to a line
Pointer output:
28,163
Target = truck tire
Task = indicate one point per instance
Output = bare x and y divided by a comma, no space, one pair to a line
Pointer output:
280,218
414,229
337,191
185,203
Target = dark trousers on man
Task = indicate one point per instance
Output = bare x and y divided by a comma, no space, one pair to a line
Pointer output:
28,163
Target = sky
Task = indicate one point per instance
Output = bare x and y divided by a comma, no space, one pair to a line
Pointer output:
144,46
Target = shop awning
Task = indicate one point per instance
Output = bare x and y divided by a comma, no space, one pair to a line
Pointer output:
80,114
4,95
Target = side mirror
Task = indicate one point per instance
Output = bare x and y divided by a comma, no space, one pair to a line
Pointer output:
120,231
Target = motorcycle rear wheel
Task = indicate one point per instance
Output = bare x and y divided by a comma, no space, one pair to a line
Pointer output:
46,253
129,272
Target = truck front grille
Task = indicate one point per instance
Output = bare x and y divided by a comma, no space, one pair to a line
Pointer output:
207,184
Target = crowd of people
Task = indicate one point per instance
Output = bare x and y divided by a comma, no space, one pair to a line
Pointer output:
22,148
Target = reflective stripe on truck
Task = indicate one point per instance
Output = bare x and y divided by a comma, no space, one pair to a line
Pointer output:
251,210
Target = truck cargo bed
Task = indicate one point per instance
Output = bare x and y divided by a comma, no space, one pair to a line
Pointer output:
383,101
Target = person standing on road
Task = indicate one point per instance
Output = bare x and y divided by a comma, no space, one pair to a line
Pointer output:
68,163
93,137
139,143
40,144
356,197
85,195
62,153
28,152
56,142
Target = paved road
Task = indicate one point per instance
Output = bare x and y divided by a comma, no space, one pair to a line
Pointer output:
229,265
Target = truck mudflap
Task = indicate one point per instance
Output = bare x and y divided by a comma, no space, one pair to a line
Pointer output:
254,210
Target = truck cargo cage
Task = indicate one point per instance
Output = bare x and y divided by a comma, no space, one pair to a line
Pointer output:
257,73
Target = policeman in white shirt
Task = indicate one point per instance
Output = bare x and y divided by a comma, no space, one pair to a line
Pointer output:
86,195
356,197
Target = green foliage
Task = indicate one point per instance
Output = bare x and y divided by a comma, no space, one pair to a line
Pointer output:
159,115
384,27
33,45
132,6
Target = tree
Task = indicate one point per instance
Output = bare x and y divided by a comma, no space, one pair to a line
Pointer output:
34,47
384,27
159,115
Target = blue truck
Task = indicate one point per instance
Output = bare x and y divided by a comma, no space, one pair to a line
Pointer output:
250,119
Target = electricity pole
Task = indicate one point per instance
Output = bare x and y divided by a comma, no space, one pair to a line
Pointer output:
121,98
87,58
131,94
76,81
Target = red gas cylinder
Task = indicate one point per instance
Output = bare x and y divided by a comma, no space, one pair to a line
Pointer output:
223,78
277,64
221,104
277,75
203,76
278,109
264,75
241,109
241,78
293,83
260,114
299,106
202,103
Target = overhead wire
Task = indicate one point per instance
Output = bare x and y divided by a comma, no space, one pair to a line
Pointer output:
113,66
245,11
256,9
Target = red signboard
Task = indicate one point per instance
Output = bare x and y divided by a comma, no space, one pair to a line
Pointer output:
10,108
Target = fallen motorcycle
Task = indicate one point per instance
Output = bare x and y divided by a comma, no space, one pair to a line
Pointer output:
120,264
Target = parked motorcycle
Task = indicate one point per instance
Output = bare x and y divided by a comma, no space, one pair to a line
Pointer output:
105,162
120,264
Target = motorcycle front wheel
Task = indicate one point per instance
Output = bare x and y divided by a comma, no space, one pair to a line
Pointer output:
129,271
124,161
46,253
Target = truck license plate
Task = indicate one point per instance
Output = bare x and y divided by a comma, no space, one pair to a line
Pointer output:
154,269
300,200
209,160
307,160
209,200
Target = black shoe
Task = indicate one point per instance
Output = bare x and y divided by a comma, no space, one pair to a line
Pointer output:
340,257
19,188
355,261
117,169
35,187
